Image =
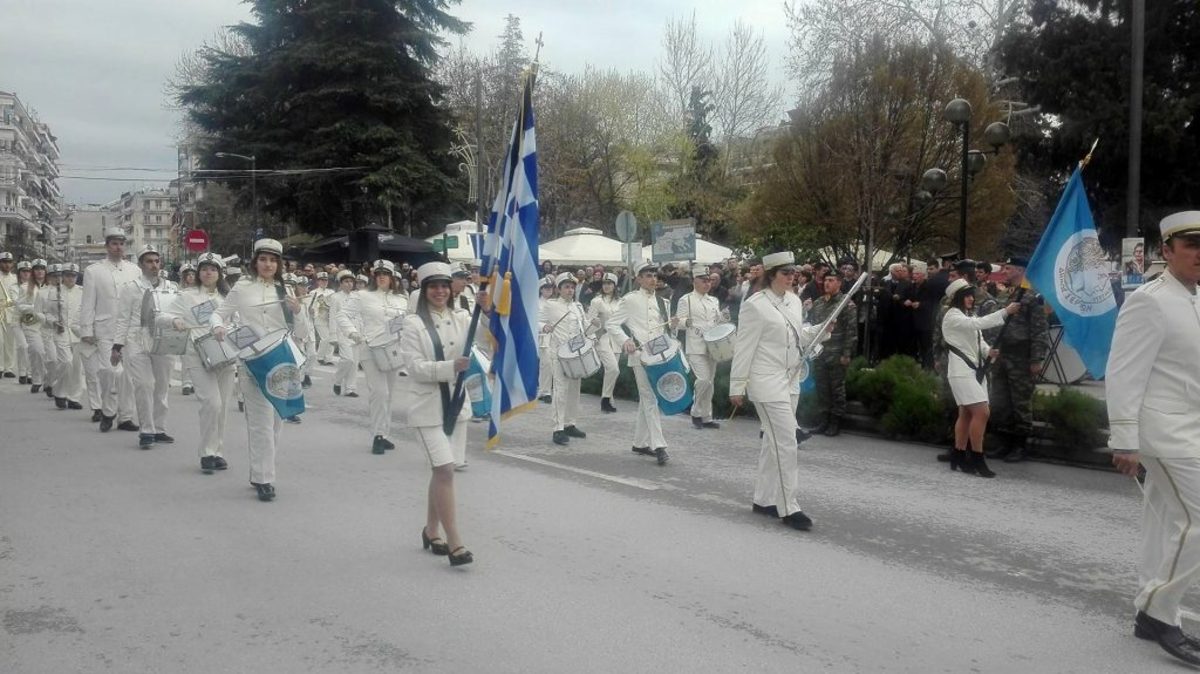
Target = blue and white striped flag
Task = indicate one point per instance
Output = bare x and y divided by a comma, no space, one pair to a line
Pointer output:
510,261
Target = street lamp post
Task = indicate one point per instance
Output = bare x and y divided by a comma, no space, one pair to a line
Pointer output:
253,183
958,111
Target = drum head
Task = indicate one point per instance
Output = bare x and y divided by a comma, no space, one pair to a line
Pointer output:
564,350
719,332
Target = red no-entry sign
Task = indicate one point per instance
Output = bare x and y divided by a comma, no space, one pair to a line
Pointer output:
196,240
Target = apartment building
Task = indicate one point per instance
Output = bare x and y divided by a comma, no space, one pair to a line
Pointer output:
31,205
147,217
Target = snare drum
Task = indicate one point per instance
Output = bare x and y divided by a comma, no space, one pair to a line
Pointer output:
667,371
718,340
164,341
579,364
274,361
214,354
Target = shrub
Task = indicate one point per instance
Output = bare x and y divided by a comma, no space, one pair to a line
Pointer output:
875,388
1076,419
915,411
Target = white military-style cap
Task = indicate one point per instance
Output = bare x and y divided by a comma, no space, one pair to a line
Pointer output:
322,276
268,246
72,267
6,256
39,263
384,267
781,259
433,271
24,264
345,273
146,250
545,282
700,270
610,278
1178,224
955,286
186,267
363,278
645,265
460,271
565,277
54,269
114,233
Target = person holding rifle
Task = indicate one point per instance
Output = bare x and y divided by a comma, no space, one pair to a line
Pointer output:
1023,346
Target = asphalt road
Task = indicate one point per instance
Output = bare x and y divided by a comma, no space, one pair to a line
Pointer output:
588,558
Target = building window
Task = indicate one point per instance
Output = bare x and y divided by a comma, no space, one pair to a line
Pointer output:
158,204
158,218
89,238
145,204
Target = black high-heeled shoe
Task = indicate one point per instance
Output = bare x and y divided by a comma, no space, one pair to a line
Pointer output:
435,545
459,558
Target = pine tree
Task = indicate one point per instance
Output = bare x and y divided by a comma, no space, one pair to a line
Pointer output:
332,84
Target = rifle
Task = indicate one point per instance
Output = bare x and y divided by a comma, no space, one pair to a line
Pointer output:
989,363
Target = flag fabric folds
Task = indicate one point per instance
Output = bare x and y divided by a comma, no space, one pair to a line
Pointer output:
510,261
1071,270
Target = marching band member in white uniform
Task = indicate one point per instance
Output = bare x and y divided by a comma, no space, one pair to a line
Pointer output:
545,372
599,314
432,369
98,325
369,317
1153,375
8,316
48,305
260,301
321,296
214,389
563,319
21,346
187,279
346,378
69,386
132,344
27,304
642,316
696,312
307,341
766,368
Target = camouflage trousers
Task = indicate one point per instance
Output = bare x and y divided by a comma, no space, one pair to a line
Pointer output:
829,377
1011,396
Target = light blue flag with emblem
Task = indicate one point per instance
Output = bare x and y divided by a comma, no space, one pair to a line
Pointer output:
1071,270
510,262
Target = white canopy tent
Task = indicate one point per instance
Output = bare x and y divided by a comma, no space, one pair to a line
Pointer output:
581,246
707,252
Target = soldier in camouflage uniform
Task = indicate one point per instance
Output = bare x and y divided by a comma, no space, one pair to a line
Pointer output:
1023,344
829,368
984,305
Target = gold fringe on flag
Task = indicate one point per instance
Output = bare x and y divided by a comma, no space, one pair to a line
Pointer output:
505,305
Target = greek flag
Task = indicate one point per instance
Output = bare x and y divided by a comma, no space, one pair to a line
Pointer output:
1071,271
510,261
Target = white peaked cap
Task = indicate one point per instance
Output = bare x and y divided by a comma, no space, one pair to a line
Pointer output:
610,278
433,271
565,277
1184,222
268,246
114,233
700,270
384,266
955,286
778,260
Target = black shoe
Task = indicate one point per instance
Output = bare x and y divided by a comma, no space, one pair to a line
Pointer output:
60,403
834,428
546,399
294,419
97,415
948,455
1170,637
206,465
241,406
697,423
265,491
49,391
106,423
23,381
72,405
219,463
820,428
606,405
979,465
1016,456
145,441
307,383
387,444
660,453
435,545
461,556
801,435
128,426
377,445
188,390
35,388
164,438
798,520
352,394
769,511
9,375
643,450
574,432
711,425
560,438
337,390
958,459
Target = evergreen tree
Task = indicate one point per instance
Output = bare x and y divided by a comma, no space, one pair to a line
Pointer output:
332,84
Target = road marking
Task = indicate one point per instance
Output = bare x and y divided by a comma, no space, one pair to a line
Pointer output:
627,481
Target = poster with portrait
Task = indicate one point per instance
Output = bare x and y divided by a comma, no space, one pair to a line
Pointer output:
1133,262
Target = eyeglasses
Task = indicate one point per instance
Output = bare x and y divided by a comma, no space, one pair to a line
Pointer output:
787,272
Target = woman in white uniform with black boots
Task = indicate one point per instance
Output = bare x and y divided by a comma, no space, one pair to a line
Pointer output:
432,344
599,312
563,319
962,332
213,388
368,317
261,303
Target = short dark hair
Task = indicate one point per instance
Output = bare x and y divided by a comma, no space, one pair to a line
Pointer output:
959,301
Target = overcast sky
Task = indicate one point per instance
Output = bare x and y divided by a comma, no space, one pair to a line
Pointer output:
94,69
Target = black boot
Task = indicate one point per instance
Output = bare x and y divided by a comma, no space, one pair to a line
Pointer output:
958,457
60,403
560,438
34,388
835,426
307,383
574,432
948,455
979,463
97,415
377,446
606,405
49,391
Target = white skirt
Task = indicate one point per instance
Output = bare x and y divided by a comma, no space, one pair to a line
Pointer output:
967,390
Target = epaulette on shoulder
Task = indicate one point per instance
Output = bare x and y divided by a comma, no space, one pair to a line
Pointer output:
1152,286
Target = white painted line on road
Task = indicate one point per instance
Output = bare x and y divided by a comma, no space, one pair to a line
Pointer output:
627,481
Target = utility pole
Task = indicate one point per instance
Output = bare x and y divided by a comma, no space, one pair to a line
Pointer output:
1137,62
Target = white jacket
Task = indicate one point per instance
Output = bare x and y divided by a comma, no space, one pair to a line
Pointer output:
369,313
425,371
11,289
181,308
102,282
1153,376
566,317
704,312
27,303
257,305
641,313
129,328
599,315
336,332
965,333
766,351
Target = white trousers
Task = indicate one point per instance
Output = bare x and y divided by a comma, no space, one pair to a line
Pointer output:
347,368
1170,536
214,391
116,393
545,373
67,379
325,351
566,396
778,467
151,377
263,426
50,359
647,429
705,370
20,350
8,347
612,370
36,353
383,386
91,384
